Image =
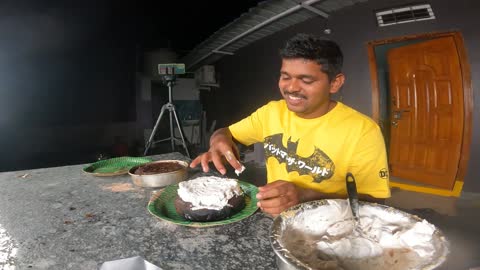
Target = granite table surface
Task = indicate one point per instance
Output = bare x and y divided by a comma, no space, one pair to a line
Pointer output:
62,218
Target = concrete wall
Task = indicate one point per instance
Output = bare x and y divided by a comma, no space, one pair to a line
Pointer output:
249,78
67,82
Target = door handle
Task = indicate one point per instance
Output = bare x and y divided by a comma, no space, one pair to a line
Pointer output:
397,114
394,123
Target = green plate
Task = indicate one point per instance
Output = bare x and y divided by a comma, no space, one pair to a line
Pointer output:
162,206
114,166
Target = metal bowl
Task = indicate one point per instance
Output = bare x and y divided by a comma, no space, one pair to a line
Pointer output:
288,257
160,179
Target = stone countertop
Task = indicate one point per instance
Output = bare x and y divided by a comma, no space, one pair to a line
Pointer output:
62,218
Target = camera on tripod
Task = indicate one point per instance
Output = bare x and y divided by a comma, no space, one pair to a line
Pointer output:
171,69
169,73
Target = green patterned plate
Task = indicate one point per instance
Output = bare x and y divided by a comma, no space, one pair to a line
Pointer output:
162,206
114,166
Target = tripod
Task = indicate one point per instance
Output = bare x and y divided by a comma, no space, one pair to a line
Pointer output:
169,80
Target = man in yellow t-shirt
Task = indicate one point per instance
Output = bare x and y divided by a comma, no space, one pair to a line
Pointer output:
311,142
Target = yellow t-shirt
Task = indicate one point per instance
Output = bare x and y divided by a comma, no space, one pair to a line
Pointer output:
317,153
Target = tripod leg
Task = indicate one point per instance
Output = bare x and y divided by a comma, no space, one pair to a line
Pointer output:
150,140
181,133
172,133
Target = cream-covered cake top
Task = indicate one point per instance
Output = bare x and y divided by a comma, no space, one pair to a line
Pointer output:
209,192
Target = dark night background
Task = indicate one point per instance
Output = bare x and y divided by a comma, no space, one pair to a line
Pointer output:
65,64
68,69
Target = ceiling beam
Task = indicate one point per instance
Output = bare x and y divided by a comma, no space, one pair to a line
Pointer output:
315,10
260,25
223,52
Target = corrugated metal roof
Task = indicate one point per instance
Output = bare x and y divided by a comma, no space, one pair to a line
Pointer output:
266,18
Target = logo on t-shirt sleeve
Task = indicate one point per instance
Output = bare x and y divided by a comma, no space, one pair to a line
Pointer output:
383,173
318,165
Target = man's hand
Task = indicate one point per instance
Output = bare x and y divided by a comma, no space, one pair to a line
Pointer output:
278,196
221,146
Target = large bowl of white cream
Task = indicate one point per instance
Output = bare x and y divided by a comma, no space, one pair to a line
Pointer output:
323,235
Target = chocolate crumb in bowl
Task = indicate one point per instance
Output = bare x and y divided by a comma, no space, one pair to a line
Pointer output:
155,168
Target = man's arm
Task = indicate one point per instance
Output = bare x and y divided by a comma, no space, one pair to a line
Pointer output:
307,195
275,197
221,145
369,164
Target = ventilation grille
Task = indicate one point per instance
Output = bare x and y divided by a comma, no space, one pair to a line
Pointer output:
405,15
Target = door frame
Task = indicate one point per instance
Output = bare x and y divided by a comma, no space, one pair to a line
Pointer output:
467,99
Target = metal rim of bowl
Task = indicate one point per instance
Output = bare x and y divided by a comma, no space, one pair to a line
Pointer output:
286,257
181,162
161,179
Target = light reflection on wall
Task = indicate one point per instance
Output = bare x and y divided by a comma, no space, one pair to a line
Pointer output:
8,250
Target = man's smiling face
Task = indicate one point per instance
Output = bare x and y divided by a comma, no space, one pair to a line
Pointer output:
306,88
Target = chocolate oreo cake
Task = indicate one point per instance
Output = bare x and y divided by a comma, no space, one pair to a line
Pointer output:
158,167
209,198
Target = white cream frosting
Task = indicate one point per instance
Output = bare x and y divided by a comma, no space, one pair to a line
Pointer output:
209,192
238,172
381,239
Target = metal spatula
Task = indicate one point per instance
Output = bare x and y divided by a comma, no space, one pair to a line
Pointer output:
352,195
355,207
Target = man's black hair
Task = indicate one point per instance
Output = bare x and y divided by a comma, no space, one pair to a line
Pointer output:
324,52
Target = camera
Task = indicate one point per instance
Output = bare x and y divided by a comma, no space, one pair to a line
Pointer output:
171,69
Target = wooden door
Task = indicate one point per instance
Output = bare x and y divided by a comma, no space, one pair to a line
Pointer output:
426,115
